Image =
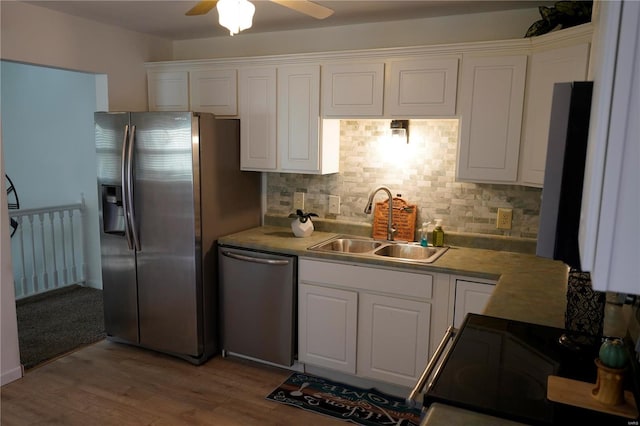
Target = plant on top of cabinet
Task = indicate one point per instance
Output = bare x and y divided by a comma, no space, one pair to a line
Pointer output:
563,14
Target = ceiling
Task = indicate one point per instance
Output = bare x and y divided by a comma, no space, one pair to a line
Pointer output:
167,18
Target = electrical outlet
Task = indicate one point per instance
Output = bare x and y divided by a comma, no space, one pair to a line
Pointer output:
503,220
298,200
334,204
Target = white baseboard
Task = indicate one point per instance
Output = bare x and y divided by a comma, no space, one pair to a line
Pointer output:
11,375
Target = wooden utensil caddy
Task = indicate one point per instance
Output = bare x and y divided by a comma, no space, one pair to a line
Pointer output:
404,216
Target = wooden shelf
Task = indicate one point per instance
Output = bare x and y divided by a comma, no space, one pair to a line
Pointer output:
578,394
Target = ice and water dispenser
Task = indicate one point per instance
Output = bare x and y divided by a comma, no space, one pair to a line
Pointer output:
112,210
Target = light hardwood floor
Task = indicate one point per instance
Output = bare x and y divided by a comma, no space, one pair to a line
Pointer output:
113,384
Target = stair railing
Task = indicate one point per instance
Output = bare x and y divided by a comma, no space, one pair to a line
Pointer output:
48,248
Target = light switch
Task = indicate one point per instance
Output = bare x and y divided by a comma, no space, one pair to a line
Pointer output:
298,200
334,204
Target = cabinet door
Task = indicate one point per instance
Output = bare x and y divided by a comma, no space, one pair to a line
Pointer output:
168,90
471,297
257,93
214,91
352,90
393,338
491,100
553,66
426,87
327,321
298,118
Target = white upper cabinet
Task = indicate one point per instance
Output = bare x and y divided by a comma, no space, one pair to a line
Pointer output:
546,68
301,145
168,90
214,91
290,105
352,90
491,104
257,94
421,88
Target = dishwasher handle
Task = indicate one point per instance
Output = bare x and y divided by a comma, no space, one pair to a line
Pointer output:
255,259
411,399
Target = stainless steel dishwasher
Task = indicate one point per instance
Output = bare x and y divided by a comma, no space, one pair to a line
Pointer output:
257,299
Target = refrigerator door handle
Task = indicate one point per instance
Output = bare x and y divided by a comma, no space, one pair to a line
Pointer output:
130,188
125,186
255,259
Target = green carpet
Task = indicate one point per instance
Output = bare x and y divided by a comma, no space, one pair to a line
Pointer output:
57,322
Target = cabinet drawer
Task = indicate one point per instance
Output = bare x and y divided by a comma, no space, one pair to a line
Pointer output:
398,283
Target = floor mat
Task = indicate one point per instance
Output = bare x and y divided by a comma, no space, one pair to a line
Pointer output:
54,323
368,407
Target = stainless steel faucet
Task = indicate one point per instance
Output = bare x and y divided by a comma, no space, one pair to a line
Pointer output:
391,227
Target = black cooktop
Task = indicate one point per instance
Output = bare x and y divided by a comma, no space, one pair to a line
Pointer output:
500,367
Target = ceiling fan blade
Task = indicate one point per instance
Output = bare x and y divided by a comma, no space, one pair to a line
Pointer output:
202,8
307,7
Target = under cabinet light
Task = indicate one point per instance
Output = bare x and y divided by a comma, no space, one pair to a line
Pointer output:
400,130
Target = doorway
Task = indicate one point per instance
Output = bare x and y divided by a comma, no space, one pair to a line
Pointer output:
48,144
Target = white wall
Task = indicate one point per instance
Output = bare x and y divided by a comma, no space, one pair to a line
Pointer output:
48,143
37,35
10,367
418,32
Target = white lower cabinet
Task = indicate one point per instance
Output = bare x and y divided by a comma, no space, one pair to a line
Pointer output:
327,322
471,297
393,338
376,323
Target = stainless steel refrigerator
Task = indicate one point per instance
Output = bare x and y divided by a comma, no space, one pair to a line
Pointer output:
169,185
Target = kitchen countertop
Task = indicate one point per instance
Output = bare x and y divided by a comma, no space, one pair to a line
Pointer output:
529,288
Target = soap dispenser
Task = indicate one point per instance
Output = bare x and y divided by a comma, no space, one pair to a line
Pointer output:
424,234
438,234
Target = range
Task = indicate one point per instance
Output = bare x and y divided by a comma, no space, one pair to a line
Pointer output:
500,367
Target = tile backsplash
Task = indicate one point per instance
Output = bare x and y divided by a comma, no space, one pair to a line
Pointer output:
423,171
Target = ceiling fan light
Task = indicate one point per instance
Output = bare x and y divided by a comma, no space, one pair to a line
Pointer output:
235,15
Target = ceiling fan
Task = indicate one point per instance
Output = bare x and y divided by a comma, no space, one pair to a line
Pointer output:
303,6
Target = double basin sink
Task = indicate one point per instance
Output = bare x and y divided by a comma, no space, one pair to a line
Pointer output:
362,246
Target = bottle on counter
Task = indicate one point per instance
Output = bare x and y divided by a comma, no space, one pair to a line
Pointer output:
424,233
437,239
